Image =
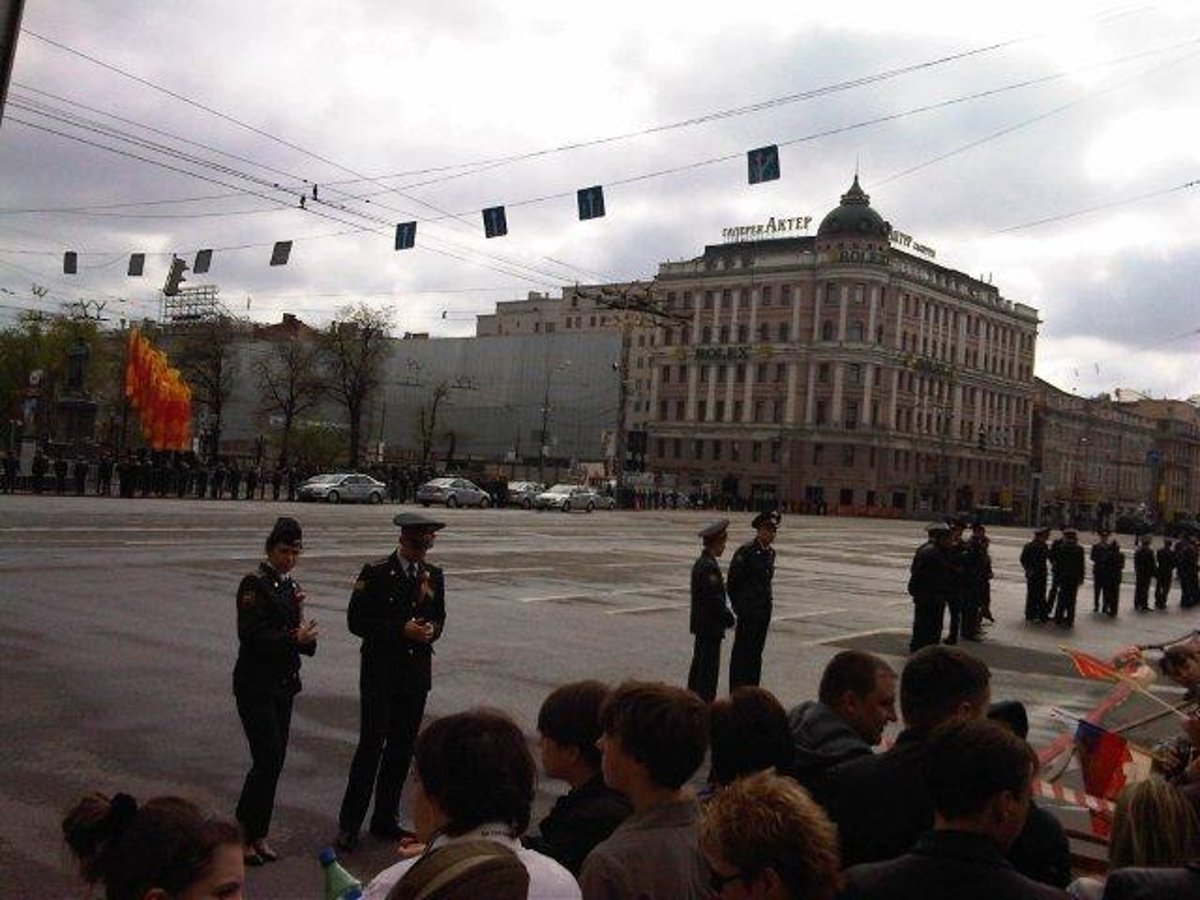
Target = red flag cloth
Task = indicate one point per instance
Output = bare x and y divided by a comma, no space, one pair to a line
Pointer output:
1108,764
1090,667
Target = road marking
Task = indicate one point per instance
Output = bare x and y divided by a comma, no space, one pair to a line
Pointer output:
646,609
581,595
854,635
792,617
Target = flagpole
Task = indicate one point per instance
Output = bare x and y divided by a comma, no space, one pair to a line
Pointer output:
1117,675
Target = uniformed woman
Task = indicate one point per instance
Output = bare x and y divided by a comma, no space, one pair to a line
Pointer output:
272,633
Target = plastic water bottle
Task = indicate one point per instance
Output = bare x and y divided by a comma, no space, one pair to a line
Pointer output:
339,884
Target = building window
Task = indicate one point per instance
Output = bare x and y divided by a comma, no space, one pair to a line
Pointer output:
860,293
660,447
719,411
848,455
823,373
846,496
698,449
761,373
701,410
776,411
854,374
857,332
780,371
716,449
687,301
818,454
724,338
764,332
822,412
831,294
756,452
666,374
592,321
737,410
680,410
708,299
827,330
775,450
668,337
879,334
706,335
682,373
760,410
739,373
742,333
726,299
676,448
874,414
766,295
783,331
785,294
851,415
877,376
735,451
662,412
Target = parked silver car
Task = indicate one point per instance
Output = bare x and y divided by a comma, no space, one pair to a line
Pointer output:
343,487
521,493
567,497
453,492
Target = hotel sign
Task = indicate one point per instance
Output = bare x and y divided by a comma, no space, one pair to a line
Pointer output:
774,227
900,239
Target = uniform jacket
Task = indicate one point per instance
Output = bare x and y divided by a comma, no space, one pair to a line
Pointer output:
268,613
1143,562
710,612
384,598
930,577
1165,558
750,574
950,865
1068,562
579,820
1154,884
976,563
1034,557
1107,559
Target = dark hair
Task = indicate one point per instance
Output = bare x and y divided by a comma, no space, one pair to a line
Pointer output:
167,843
1012,714
570,716
477,767
850,670
1175,658
285,531
936,681
663,727
749,733
969,761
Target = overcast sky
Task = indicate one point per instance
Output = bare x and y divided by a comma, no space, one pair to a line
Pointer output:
1086,106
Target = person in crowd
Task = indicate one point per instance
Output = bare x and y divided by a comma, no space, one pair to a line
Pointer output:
748,732
475,780
1153,826
12,468
272,634
881,803
1144,568
1181,664
1164,560
979,777
38,468
1154,884
104,476
164,849
398,608
1107,564
976,563
1035,560
750,574
79,472
568,727
764,837
1041,851
931,585
710,614
60,474
855,702
466,870
1186,561
653,739
1067,564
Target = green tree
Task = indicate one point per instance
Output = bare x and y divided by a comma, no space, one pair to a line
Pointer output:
291,382
353,349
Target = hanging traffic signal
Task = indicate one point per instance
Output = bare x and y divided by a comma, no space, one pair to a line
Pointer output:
495,223
70,262
203,261
763,164
591,202
137,264
281,252
406,235
175,276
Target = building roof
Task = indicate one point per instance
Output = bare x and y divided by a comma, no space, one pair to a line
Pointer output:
854,218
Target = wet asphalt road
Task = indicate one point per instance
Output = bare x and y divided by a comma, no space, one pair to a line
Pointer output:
118,640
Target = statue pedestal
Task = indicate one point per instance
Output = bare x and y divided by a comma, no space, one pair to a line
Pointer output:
76,420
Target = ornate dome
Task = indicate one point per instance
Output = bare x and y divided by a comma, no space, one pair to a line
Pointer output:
854,218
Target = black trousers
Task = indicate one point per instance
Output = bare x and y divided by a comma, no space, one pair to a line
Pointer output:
266,719
745,660
1035,598
1141,592
1064,607
928,615
706,666
1111,594
389,719
1162,587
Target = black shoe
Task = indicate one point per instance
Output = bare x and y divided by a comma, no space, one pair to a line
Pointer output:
346,840
390,831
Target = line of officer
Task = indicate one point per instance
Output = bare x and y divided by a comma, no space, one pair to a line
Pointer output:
711,616
398,608
750,573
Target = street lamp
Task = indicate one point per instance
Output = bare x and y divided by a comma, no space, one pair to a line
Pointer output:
546,419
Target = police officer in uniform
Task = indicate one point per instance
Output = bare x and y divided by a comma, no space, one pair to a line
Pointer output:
1144,568
398,608
1068,566
931,585
711,616
750,574
1035,557
1164,570
272,633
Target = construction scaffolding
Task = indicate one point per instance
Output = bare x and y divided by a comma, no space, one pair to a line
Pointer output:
191,304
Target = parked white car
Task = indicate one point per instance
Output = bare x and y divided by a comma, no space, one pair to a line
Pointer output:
453,492
343,487
567,497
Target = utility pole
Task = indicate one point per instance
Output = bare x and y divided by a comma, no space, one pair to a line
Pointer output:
633,302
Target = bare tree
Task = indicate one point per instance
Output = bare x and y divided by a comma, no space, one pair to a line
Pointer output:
428,420
353,349
208,362
291,383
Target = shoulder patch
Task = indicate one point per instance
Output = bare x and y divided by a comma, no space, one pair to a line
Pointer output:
246,598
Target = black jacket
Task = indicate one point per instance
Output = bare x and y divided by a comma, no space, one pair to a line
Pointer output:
946,864
710,614
931,576
1068,562
384,598
750,574
267,616
1154,884
1034,557
579,820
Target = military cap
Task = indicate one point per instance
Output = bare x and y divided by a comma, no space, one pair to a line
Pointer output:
770,517
1045,529
285,531
937,528
714,529
416,522
1067,531
1103,531
956,522
978,526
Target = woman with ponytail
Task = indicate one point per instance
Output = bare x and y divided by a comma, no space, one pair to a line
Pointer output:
166,849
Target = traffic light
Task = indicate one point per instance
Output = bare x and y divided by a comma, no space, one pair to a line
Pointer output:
175,276
763,164
406,235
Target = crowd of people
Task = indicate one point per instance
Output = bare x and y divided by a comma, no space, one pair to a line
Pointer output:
799,803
